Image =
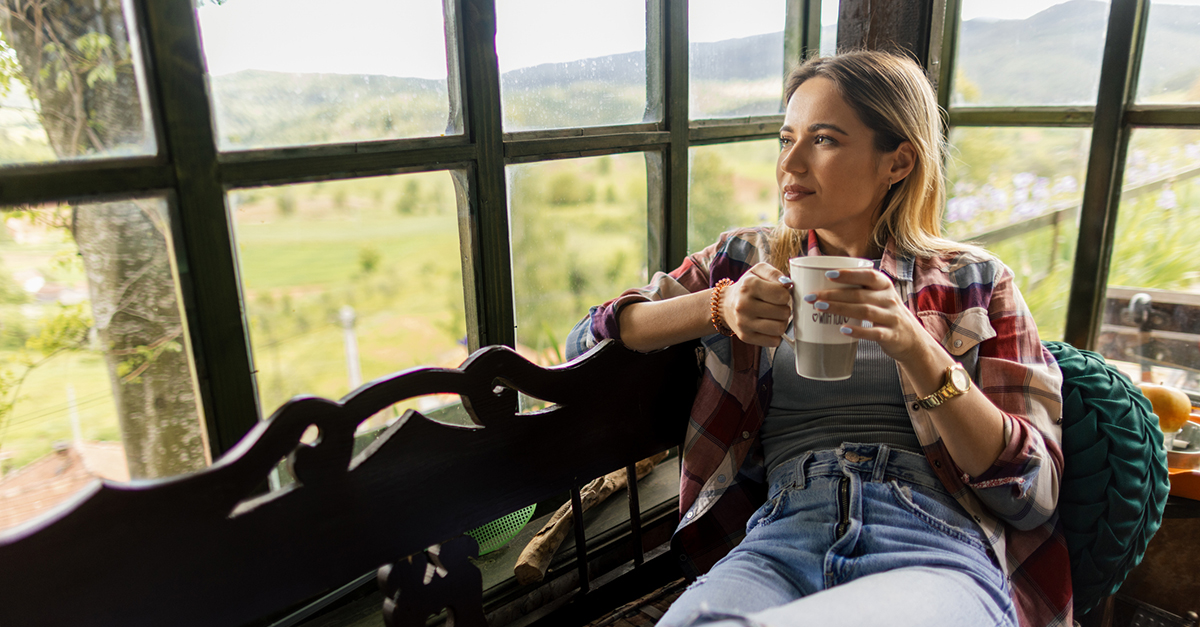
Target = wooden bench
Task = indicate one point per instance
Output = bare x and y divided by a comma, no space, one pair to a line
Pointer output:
213,549
216,549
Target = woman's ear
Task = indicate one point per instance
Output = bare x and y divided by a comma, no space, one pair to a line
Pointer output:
902,161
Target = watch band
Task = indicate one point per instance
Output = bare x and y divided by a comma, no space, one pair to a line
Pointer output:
946,392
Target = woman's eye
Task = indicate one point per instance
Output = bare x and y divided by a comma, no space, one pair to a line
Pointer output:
823,139
784,142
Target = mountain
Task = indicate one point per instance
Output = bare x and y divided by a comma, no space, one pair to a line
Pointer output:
1050,58
1053,57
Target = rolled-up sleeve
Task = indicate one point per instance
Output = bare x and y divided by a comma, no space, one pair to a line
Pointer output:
603,321
1023,381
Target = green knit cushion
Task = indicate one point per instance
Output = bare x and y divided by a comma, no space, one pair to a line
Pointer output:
1114,483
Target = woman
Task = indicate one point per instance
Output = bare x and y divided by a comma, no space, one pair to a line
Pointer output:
874,503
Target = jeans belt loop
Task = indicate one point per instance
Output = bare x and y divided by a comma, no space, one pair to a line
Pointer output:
881,463
799,480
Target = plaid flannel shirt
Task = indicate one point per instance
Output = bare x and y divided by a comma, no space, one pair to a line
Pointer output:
973,308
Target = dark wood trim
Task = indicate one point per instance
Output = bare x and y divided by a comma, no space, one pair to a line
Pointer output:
896,25
1022,116
206,253
553,148
85,179
1106,166
801,32
253,172
382,149
943,49
487,261
585,131
674,221
1163,116
734,129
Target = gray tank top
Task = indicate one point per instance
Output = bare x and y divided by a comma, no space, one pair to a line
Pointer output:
811,415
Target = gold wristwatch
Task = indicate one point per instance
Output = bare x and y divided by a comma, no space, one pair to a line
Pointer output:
957,383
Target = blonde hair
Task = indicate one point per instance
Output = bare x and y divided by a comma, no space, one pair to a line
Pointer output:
893,97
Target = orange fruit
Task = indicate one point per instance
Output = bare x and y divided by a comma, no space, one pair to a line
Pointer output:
1172,406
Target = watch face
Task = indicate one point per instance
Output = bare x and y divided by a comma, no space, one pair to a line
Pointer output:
960,380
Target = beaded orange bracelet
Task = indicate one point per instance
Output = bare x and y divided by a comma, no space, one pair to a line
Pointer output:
715,308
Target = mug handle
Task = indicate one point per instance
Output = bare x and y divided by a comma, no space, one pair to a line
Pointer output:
791,342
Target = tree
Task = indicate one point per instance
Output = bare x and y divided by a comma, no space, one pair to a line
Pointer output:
75,60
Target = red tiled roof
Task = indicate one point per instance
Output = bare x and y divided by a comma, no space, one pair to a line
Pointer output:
52,479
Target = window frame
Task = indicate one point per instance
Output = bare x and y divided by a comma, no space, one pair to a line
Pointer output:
189,169
1112,120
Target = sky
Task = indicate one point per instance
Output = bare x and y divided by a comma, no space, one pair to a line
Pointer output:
1021,9
406,38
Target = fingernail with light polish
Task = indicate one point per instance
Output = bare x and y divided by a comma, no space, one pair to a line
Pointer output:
810,298
832,274
786,280
846,330
822,306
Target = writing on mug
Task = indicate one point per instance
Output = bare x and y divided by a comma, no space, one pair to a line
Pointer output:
828,318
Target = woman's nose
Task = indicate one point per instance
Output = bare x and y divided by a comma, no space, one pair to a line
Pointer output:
793,160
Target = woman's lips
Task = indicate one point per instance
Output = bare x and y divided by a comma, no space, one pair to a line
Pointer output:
796,192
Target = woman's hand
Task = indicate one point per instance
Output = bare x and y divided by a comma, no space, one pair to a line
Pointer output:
886,319
758,306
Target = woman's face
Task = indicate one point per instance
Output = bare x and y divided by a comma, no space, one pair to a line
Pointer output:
831,177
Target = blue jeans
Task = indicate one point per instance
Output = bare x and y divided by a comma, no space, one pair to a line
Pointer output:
863,534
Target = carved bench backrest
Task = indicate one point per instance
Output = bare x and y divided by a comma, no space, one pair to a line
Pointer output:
201,550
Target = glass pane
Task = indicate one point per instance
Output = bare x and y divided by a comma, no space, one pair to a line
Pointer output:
71,83
1155,255
565,64
96,379
578,239
736,58
294,72
730,186
829,26
1170,72
1035,52
348,281
1017,191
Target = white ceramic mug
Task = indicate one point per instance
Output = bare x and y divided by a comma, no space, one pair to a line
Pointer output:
823,352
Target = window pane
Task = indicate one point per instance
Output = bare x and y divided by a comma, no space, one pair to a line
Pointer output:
829,26
1170,70
1038,52
1155,254
1017,191
566,64
736,58
95,362
578,239
295,72
71,83
347,281
730,186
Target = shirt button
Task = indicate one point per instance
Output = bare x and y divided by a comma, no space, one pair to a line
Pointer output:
957,343
720,478
690,515
745,435
937,463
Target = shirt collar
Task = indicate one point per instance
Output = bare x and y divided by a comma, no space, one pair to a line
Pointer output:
895,264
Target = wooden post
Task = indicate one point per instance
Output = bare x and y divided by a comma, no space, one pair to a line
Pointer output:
893,25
